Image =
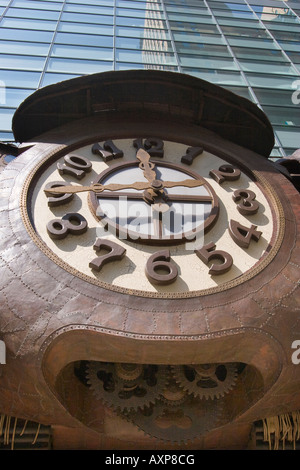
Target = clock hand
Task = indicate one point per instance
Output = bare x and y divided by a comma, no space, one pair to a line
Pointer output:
96,188
99,188
146,165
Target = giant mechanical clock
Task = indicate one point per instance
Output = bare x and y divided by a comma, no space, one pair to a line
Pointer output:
159,253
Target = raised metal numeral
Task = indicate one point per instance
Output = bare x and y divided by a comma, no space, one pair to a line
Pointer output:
161,261
115,252
72,223
208,252
108,152
191,154
58,199
152,145
75,166
225,173
248,205
243,235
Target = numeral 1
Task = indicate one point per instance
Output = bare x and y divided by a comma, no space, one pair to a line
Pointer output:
115,252
108,152
208,253
191,154
152,145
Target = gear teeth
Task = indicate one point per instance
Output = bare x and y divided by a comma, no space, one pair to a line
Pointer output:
111,379
216,392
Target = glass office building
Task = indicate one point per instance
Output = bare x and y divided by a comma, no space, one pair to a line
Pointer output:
251,47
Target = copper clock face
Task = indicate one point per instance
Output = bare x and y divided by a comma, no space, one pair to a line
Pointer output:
151,217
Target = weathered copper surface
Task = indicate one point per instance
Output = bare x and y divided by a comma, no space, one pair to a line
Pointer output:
53,320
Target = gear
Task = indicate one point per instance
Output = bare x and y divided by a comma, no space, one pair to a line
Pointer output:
126,386
206,380
178,424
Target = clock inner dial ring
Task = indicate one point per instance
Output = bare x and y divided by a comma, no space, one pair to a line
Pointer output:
174,208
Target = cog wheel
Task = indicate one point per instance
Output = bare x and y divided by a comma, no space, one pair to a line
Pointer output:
178,424
206,380
126,387
173,395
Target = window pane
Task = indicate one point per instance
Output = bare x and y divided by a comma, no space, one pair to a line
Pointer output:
85,28
130,66
136,4
36,5
194,27
248,66
283,116
217,76
84,40
246,32
273,81
24,13
6,116
258,54
192,11
189,18
78,66
288,138
84,8
50,78
23,35
147,44
27,48
142,33
202,49
199,38
20,79
83,18
146,57
141,22
285,35
21,62
27,24
13,96
278,97
204,62
234,14
260,43
151,14
81,52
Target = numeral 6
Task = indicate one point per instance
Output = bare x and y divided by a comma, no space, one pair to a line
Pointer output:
161,261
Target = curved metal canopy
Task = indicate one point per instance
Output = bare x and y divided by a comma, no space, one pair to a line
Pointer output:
167,94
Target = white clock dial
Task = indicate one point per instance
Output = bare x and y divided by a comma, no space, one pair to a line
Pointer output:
220,213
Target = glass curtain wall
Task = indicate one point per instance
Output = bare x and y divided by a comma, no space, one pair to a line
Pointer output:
251,47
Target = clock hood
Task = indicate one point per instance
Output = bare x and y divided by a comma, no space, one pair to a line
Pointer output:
194,100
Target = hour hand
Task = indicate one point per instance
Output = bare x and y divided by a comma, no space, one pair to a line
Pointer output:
96,188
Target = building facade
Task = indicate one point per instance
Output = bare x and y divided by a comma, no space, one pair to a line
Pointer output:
248,47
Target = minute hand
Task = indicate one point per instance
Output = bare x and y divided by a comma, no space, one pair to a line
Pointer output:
99,188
